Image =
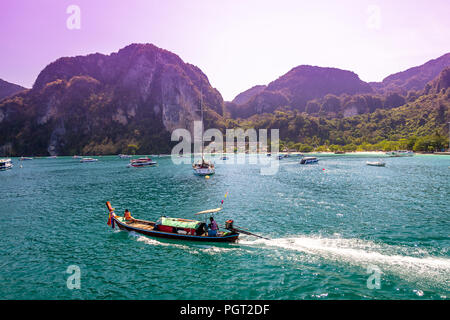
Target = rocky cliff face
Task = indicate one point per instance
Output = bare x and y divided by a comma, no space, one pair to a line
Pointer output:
102,103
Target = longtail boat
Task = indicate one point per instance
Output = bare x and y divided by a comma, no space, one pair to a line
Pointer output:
174,228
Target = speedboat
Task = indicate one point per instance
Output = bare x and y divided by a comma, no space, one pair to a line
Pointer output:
76,157
88,160
376,163
5,164
25,158
124,156
400,153
142,162
309,160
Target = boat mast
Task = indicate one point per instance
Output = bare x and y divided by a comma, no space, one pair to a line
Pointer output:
201,111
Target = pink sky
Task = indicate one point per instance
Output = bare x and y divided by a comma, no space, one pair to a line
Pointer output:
238,44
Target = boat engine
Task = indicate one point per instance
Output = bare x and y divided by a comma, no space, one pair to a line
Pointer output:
229,224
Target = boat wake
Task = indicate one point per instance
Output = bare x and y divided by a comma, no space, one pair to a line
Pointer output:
153,242
410,264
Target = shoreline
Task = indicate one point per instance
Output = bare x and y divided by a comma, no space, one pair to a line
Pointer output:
379,153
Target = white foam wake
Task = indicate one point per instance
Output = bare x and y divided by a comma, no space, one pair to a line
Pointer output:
390,259
153,242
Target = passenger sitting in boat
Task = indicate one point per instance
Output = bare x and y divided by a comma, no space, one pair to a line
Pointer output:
212,232
127,215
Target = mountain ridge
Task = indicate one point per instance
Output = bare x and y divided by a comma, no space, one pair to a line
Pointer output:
141,91
8,89
132,99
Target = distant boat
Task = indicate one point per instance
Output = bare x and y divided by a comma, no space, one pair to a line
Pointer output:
376,163
88,160
269,155
76,157
309,160
5,164
224,158
52,157
400,153
124,156
25,158
142,162
203,167
282,156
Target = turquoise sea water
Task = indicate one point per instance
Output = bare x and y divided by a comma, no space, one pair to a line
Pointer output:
327,229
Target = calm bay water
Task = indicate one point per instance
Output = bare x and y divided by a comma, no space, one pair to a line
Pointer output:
327,228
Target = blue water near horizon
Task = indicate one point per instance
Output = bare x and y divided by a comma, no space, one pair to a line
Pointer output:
327,229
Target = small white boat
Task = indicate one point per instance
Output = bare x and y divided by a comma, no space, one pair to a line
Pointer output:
309,160
376,163
124,156
88,160
5,164
400,153
25,158
52,157
76,157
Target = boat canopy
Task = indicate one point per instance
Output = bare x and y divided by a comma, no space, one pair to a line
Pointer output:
209,211
180,223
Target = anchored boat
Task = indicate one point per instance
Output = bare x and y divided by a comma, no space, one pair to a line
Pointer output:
174,228
5,164
203,167
376,163
400,153
309,160
142,162
88,160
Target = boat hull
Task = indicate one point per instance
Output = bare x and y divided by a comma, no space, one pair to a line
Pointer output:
373,164
141,165
309,161
168,235
204,171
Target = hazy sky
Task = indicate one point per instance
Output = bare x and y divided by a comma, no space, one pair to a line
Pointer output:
237,44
